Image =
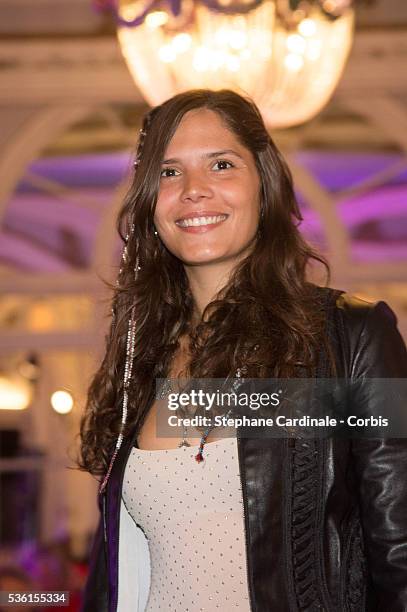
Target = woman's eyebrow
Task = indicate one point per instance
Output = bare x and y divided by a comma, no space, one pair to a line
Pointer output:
174,160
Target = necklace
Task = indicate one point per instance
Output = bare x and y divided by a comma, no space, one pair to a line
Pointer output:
165,389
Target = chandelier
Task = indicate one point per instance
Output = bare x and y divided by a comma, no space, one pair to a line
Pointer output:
288,55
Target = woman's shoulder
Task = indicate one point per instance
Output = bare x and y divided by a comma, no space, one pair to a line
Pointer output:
354,310
368,334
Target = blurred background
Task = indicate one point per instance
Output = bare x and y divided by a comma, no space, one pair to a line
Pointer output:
76,78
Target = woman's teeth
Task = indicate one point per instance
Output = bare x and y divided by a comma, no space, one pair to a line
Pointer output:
195,221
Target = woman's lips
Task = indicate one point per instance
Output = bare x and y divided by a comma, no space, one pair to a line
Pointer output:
198,224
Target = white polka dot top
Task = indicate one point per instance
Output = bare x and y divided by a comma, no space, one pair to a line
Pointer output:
192,516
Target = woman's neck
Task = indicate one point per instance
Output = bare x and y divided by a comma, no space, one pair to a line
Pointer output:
205,283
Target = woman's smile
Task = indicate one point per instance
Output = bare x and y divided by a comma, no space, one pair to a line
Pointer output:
199,223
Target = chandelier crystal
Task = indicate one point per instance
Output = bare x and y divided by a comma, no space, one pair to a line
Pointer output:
286,55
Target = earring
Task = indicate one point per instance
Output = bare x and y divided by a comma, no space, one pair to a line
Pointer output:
155,232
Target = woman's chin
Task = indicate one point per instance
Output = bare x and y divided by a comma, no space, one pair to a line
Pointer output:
229,256
203,259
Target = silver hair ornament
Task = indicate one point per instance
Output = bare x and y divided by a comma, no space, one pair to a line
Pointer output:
143,134
127,375
130,343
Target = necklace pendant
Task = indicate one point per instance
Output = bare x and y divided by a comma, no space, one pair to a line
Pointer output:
183,443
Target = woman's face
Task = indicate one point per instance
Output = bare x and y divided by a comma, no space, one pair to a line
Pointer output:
209,198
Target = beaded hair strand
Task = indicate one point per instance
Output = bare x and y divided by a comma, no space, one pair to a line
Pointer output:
143,133
131,330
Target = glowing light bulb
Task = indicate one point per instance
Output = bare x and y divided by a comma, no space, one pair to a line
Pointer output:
62,402
296,43
200,61
156,19
167,54
217,61
14,394
181,42
232,63
237,39
293,62
307,27
222,36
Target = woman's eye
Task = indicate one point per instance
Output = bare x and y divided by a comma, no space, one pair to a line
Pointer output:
223,164
168,172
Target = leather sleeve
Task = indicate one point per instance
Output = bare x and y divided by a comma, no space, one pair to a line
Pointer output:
380,465
95,595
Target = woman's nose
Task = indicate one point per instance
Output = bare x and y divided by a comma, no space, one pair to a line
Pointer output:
195,187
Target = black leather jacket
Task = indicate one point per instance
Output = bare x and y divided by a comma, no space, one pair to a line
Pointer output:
325,519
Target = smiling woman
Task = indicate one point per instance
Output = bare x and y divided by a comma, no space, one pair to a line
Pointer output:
209,200
213,284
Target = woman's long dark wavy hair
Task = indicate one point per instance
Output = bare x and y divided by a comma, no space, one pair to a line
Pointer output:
267,302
